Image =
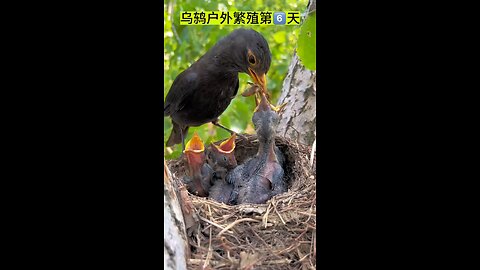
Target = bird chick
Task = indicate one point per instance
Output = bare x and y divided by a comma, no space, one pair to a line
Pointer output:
261,177
198,180
221,159
221,191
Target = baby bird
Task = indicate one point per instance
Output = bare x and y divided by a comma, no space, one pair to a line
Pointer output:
261,177
222,192
198,180
221,159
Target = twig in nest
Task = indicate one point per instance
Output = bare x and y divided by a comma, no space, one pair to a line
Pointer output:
209,254
210,211
288,249
314,235
235,223
290,201
298,238
198,236
224,245
211,222
312,154
307,214
302,258
258,236
281,218
265,217
206,228
314,199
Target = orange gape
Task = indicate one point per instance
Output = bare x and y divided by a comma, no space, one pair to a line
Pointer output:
222,157
229,145
200,174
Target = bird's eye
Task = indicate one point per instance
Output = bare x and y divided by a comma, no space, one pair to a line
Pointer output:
224,159
251,59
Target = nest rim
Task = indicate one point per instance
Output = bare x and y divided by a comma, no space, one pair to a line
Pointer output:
244,235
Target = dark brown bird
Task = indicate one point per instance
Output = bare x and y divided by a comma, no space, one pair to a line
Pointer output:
221,159
201,93
199,178
261,177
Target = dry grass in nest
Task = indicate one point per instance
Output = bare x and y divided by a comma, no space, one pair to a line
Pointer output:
280,234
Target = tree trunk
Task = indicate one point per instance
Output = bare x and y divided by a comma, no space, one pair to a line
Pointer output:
175,244
298,121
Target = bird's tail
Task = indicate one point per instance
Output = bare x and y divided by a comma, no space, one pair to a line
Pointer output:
176,134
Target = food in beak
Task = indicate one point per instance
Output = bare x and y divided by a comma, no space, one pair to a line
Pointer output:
260,80
253,89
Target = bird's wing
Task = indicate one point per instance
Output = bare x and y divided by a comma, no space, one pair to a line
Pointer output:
278,184
183,86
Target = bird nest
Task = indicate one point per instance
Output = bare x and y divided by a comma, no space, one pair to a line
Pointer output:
280,234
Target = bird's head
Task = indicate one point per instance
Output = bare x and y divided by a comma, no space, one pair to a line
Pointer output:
265,119
194,153
223,154
251,54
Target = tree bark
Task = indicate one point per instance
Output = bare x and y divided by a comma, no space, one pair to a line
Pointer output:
175,244
298,121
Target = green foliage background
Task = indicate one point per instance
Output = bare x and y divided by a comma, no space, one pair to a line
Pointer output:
183,45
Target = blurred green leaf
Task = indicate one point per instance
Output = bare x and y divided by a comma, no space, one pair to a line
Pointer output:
307,42
280,37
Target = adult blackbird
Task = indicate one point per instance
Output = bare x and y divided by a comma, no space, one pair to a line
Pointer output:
199,178
261,177
201,93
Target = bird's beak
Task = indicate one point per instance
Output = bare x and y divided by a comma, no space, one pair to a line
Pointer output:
263,105
260,79
227,148
264,101
194,152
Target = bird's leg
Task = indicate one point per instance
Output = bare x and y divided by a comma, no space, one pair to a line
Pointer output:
215,122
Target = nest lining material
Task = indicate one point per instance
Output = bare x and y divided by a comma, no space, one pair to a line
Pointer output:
280,234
